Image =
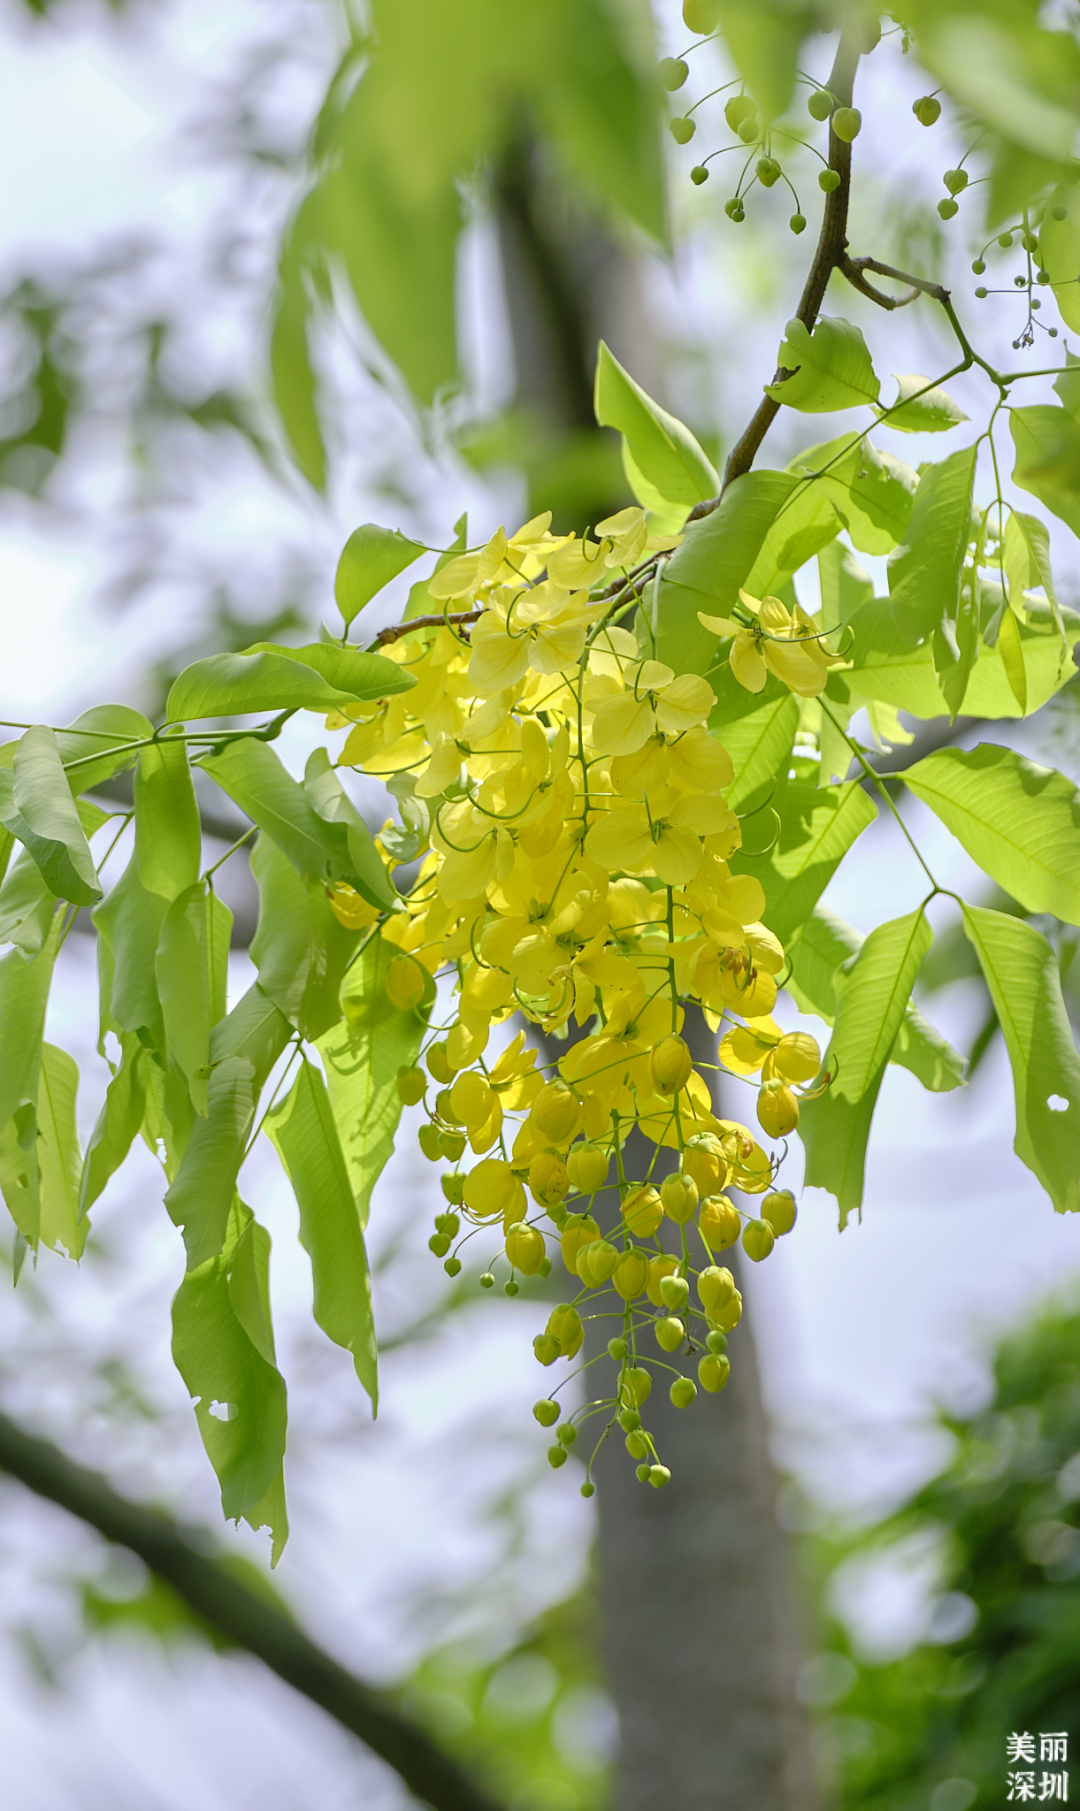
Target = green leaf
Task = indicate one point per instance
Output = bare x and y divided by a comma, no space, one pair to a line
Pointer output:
300,949
361,1058
830,368
763,43
834,1128
200,1196
758,733
818,958
370,558
818,825
276,679
128,924
1047,442
924,574
304,1134
1018,821
351,670
844,586
191,971
673,472
885,667
59,1159
1026,554
919,410
1021,971
955,645
255,1030
712,564
224,1370
19,1180
26,906
806,522
1059,252
871,491
117,1124
98,744
24,995
1011,649
168,836
41,812
334,806
254,778
290,361
169,1115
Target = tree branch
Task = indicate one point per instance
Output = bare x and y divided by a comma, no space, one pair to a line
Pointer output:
244,1618
853,269
397,630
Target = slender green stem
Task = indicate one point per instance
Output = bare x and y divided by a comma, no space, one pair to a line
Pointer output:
884,791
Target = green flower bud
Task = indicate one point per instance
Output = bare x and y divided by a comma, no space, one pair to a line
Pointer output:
701,16
682,130
545,1347
643,1473
947,209
637,1446
617,1348
847,123
1029,242
713,1372
828,180
511,1288
439,1243
629,1419
659,1475
453,1187
927,109
567,1434
780,1211
982,294
956,181
820,104
750,131
683,1392
738,110
588,1489
673,73
699,174
411,1086
452,1145
768,171
758,1239
1005,241
797,223
546,1411
487,1281
670,1334
452,1267
674,1291
428,1139
448,1223
556,1456
978,267
715,1340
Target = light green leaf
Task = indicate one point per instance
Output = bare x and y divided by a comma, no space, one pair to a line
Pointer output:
887,668
1011,650
59,1159
1018,821
845,587
1047,442
271,679
1026,554
818,825
128,924
300,949
168,1115
370,558
763,43
834,1128
362,1058
43,815
758,732
664,453
255,779
168,837
98,744
303,1131
1021,971
191,971
870,491
19,1182
334,806
714,561
919,410
1067,383
290,361
1059,252
24,995
117,1124
924,574
199,1198
830,368
255,1030
225,1371
806,522
817,959
351,670
26,906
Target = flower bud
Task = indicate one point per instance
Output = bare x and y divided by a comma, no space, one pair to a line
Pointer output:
491,1188
438,1066
777,1109
738,110
453,1187
487,1281
718,1222
713,1372
411,1086
683,1392
727,1319
452,1145
472,1099
637,1446
780,1211
701,16
617,1349
444,1107
828,180
557,1111
546,1348
631,1274
847,123
699,174
704,1160
796,1058
596,1262
642,1212
820,104
428,1140
673,73
546,1411
564,1325
439,1243
669,1333
768,171
659,1475
758,1239
716,1288
634,1386
715,1340
452,1267
659,1267
642,1473
525,1248
671,1064
682,129
548,1180
567,1434
580,1230
587,1168
629,1419
674,1291
956,181
588,1489
679,1194
405,983
556,1456
927,109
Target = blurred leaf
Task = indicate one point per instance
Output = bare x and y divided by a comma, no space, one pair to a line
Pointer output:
117,1124
1047,442
1019,822
834,1128
98,744
370,558
1021,971
303,1131
290,359
24,995
830,369
300,949
843,583
667,469
762,39
168,837
924,574
26,906
1011,650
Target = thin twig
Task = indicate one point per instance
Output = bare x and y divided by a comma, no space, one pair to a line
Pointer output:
397,630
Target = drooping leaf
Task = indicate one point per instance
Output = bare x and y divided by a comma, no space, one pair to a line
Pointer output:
291,370
255,779
834,1128
99,744
168,840
1018,821
830,368
334,806
168,1115
239,1396
955,645
671,471
59,1159
758,733
26,906
191,969
19,1181
300,948
42,813
200,1196
274,679
128,923
817,827
362,1058
1021,971
351,670
763,42
1026,554
1047,442
716,557
819,955
924,574
24,995
1011,649
921,410
304,1133
845,587
886,667
1059,251
255,1030
117,1124
370,558
871,491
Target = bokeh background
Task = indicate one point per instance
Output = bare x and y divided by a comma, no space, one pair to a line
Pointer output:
149,510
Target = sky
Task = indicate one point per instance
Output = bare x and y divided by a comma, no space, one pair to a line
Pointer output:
394,1537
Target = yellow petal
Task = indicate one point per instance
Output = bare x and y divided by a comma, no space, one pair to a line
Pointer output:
747,663
684,703
622,725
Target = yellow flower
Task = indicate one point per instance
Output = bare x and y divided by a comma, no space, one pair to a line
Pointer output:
500,562
777,642
658,701
660,836
544,629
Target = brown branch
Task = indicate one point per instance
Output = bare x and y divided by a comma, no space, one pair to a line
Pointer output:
397,630
245,1618
853,269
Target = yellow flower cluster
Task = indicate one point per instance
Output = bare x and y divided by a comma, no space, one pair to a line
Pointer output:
565,795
